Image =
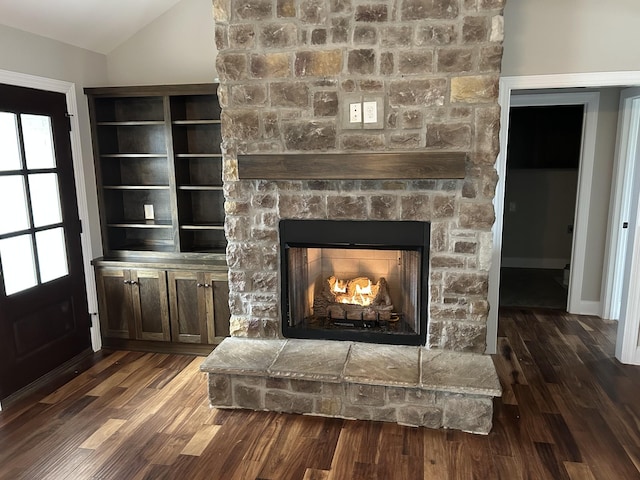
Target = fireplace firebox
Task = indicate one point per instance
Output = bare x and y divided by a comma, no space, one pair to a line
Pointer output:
355,280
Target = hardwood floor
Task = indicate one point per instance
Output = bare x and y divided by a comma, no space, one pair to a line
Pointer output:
569,411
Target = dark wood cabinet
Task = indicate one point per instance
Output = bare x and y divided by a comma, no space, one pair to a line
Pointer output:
133,303
158,164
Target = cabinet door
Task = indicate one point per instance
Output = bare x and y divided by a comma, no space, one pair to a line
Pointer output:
187,294
116,308
219,310
151,306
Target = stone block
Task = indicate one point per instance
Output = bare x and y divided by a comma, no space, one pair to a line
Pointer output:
265,281
365,35
278,35
497,29
420,416
487,129
328,406
443,206
280,401
477,216
315,136
490,58
474,89
243,95
313,11
221,10
247,397
371,85
415,62
362,141
232,66
469,414
396,36
220,390
436,34
355,412
286,8
425,92
466,283
302,206
319,36
311,360
242,36
253,9
455,60
325,104
376,364
319,63
384,414
290,94
369,395
386,63
465,247
361,61
306,386
448,136
464,337
396,395
420,396
412,119
340,28
446,261
347,207
277,383
416,207
372,13
405,141
475,29
240,124
263,200
429,10
491,4
221,37
270,65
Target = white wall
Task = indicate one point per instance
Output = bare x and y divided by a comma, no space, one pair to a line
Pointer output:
23,52
178,47
570,36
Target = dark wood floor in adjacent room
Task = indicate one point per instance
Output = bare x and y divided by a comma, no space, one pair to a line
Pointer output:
569,411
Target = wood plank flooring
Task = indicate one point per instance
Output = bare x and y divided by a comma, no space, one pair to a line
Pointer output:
569,411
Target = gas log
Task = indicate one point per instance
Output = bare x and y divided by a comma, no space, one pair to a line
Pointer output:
355,299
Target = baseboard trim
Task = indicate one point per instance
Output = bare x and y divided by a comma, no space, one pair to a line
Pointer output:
589,307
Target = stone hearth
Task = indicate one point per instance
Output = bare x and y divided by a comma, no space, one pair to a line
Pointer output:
412,386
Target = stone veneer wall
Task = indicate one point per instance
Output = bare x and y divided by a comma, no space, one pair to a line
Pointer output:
285,67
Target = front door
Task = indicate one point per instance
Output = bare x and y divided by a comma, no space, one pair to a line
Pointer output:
44,320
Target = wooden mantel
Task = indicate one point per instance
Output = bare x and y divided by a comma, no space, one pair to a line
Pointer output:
352,166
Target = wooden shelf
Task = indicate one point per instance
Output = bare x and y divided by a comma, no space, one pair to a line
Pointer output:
352,166
196,122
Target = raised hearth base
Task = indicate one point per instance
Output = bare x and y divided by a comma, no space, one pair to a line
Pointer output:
408,385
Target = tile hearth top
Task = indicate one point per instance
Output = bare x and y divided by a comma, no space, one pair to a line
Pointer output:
362,363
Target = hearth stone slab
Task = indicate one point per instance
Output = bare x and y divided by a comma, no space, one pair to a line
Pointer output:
460,372
241,356
311,360
376,364
274,375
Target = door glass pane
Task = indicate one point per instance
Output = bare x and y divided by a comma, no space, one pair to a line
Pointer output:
18,266
52,254
45,199
38,141
13,204
9,147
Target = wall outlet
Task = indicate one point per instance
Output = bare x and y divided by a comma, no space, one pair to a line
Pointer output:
355,112
373,112
148,212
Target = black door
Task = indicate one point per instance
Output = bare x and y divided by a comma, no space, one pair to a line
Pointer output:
44,320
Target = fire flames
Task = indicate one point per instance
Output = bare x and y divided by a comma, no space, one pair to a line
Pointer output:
358,291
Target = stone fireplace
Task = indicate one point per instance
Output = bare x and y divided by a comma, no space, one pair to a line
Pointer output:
289,69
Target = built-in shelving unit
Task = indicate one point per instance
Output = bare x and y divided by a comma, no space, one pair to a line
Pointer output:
163,277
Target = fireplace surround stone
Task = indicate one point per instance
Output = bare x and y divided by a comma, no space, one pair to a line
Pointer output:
287,69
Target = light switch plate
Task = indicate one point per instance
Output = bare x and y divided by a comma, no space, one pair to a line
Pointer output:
373,111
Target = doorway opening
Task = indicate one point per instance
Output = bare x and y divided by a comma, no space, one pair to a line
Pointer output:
543,158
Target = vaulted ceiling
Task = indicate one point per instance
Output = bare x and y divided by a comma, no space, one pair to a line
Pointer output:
96,25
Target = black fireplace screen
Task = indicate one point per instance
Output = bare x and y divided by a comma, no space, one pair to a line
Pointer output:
355,280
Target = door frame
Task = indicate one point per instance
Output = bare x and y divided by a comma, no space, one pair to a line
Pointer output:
535,82
69,90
